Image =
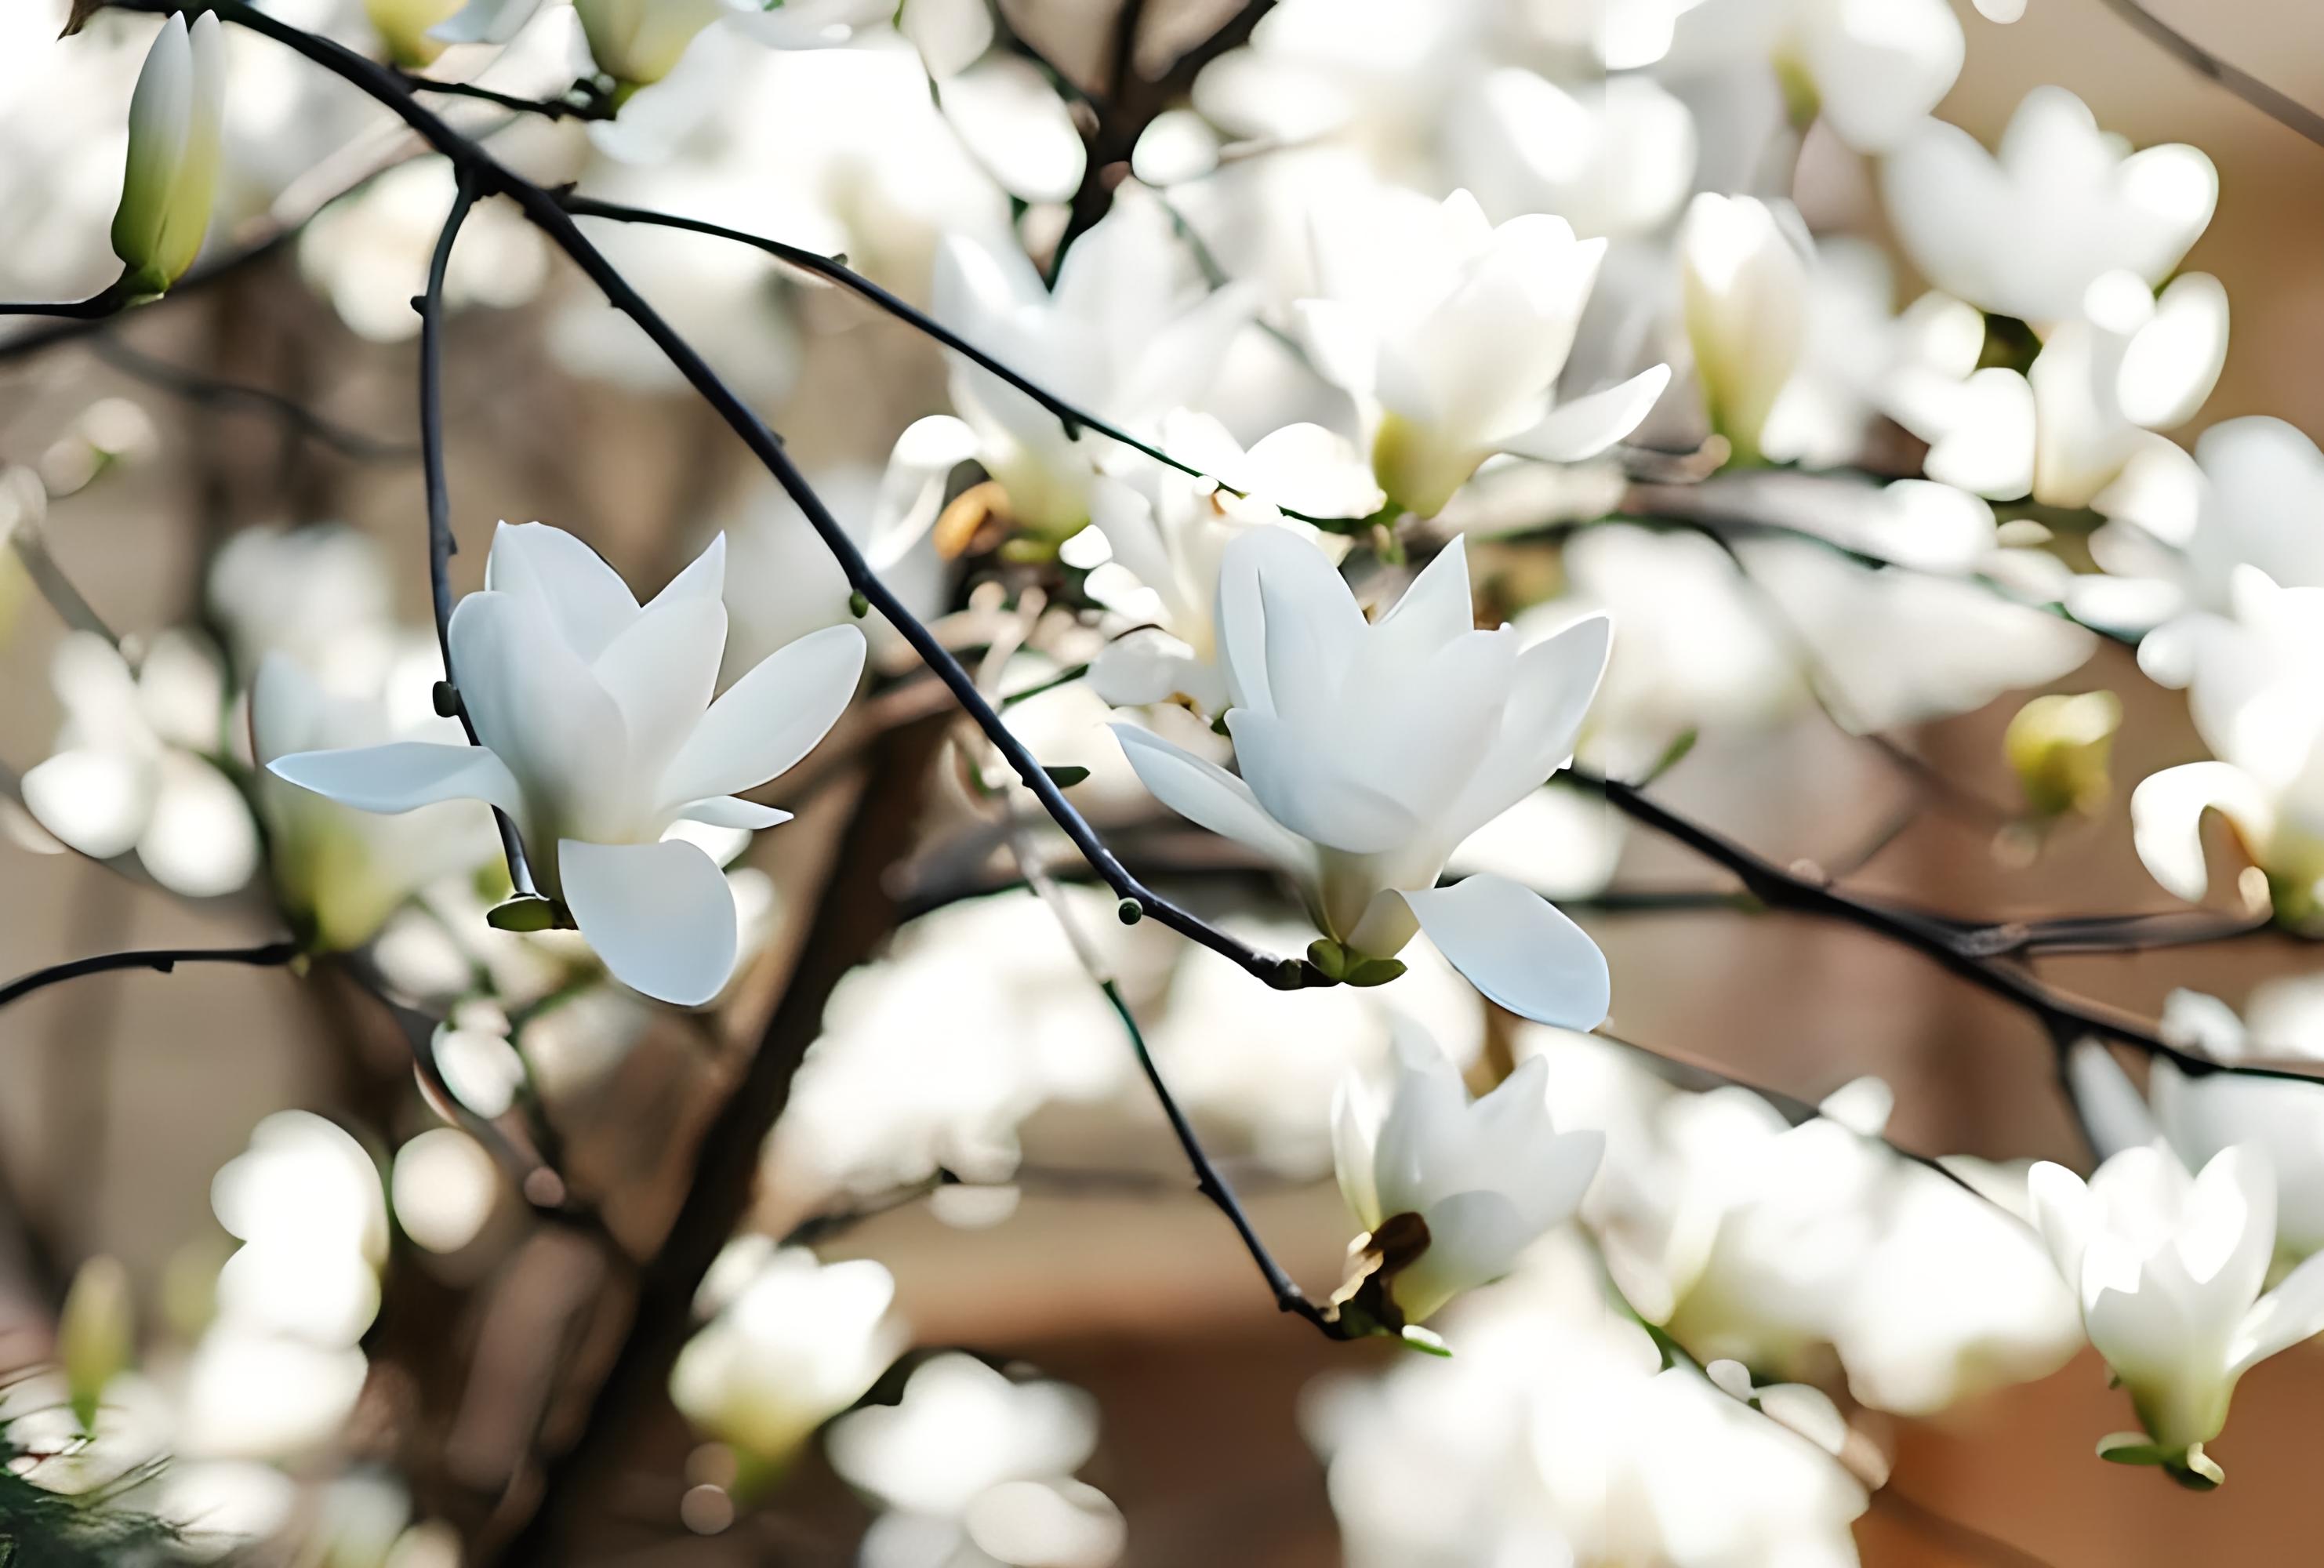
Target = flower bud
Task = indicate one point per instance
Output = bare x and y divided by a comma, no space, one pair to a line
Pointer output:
638,43
176,125
95,1335
402,25
2059,746
1746,293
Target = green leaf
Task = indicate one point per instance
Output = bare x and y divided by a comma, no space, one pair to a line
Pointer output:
1067,778
1374,971
1328,956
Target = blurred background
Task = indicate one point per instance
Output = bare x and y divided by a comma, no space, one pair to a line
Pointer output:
1062,1250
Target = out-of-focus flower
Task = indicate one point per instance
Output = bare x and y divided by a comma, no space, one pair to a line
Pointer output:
129,768
2201,1116
637,41
1554,1435
2252,495
2059,746
1871,70
1451,336
177,120
404,25
597,734
2025,232
782,583
1129,334
1751,1239
1612,158
2169,1271
1746,288
369,253
1484,1180
798,1343
2001,10
1369,752
2257,701
1167,531
96,1334
342,871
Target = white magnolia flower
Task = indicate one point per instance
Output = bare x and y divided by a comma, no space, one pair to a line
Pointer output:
1486,1179
177,119
1369,752
1613,158
798,1343
2169,1269
1167,531
960,1430
131,767
638,43
2200,1116
2025,232
597,734
2130,364
2255,690
2252,495
1129,334
1746,288
1871,70
1451,334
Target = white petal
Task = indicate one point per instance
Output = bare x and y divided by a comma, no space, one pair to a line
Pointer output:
950,34
2166,819
1590,424
1517,949
2174,361
766,720
1273,564
2109,1105
1880,67
1207,794
660,673
200,840
1435,610
1300,789
1352,1151
2292,1312
730,811
96,801
403,776
484,21
659,914
585,599
703,581
534,702
2066,1215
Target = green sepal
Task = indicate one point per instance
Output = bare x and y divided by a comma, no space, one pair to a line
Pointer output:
1373,971
1067,777
525,912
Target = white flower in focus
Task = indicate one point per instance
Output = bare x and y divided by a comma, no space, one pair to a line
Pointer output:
1484,1179
597,734
130,771
1168,530
800,1342
177,119
1129,334
1451,336
1369,752
1746,288
2168,1268
2025,231
637,42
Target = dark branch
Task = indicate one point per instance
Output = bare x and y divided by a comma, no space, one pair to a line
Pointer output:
110,300
584,101
162,960
2285,111
207,391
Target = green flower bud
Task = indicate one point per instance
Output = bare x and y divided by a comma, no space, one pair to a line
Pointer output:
2059,746
176,126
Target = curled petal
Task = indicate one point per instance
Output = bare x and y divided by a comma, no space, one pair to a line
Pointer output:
2166,819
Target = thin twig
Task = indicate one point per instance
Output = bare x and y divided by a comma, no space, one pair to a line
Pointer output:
1073,417
110,300
2285,111
162,960
208,392
594,106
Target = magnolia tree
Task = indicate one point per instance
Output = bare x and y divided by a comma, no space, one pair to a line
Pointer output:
1349,471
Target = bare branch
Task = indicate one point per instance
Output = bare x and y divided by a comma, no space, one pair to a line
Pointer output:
162,960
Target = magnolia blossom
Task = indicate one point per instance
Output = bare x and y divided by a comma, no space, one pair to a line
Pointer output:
2253,495
596,733
2169,1269
1128,334
1370,751
177,120
1484,1179
793,1343
1871,70
2255,690
1166,532
1612,158
638,43
1451,336
1745,286
2025,232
